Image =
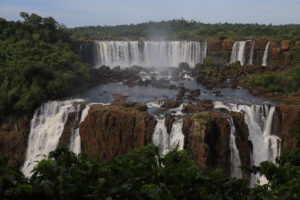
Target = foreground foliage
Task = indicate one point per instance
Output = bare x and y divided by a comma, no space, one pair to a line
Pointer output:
36,64
144,174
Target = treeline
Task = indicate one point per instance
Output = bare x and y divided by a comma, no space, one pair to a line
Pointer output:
188,30
36,64
145,174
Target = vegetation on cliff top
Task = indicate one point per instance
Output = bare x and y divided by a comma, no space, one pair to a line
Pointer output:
187,30
144,174
36,64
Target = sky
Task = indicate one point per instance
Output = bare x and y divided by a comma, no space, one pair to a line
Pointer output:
73,13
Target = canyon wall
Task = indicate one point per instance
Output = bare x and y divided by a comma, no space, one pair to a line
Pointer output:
112,131
13,139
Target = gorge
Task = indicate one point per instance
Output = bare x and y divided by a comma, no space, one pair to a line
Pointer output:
58,123
218,127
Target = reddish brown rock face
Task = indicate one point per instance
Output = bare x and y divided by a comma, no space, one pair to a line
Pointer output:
274,50
214,47
169,122
13,140
227,45
207,136
112,131
290,123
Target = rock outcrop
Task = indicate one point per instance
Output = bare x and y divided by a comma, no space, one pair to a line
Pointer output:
13,140
289,124
112,131
207,136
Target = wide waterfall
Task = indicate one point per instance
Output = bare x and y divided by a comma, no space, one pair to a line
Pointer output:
148,53
238,52
47,126
265,57
259,118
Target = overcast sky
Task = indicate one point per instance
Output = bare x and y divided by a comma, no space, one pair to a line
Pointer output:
112,12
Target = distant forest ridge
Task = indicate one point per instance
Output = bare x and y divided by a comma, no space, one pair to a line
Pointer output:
187,30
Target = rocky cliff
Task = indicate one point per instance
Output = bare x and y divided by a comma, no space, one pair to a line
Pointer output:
13,139
207,136
289,125
112,131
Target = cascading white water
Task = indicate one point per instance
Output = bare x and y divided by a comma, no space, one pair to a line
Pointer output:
75,140
251,53
164,140
265,57
149,53
259,118
160,136
234,152
238,52
46,128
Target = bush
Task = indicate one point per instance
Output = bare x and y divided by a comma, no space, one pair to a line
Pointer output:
271,81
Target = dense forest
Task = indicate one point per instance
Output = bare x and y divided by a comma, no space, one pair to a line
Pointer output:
36,64
189,30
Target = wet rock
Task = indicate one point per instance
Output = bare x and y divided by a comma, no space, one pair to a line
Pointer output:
193,94
171,104
184,66
217,93
169,120
205,105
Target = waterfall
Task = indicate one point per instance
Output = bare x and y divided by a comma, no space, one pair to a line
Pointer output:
160,136
235,160
265,58
238,52
75,141
47,125
164,140
259,118
176,136
46,128
149,53
251,53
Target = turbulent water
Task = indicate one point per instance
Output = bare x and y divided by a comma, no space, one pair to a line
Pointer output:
265,57
164,140
149,53
47,126
259,118
238,52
